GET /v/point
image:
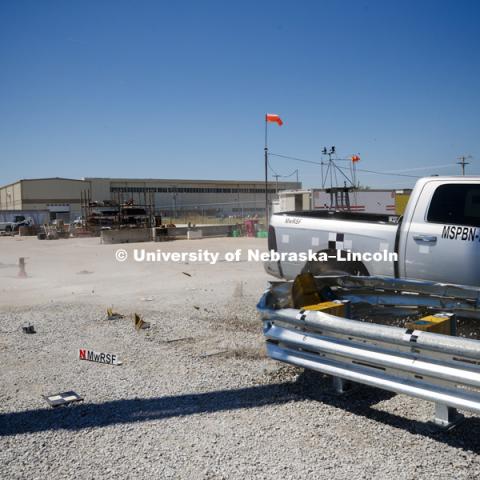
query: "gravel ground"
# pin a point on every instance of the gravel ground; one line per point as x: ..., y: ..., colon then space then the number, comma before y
x: 195, y: 396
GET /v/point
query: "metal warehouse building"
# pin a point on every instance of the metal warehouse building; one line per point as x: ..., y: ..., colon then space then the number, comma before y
x: 59, y: 196
x: 62, y: 196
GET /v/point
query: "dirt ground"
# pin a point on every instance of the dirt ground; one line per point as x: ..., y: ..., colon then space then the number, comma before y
x: 82, y: 270
x: 195, y: 396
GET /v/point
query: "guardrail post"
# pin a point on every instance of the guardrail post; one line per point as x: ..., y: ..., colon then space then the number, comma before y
x: 446, y: 417
x: 341, y: 386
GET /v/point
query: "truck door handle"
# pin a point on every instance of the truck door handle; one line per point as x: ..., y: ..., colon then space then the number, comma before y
x: 425, y: 238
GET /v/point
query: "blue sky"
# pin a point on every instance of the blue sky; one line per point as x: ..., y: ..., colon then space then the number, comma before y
x: 179, y: 89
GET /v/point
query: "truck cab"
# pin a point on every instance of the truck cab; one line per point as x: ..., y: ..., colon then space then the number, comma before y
x: 440, y: 236
x: 437, y: 239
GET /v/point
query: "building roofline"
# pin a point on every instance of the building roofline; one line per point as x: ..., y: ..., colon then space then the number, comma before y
x: 47, y: 178
x: 52, y: 178
x: 10, y: 184
x: 178, y: 180
x: 152, y: 180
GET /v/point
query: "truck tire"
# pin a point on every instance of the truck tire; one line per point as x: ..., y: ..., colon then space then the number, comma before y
x: 334, y: 267
x: 8, y: 228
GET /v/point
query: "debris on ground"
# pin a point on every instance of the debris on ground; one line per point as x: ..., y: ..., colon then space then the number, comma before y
x: 139, y: 323
x: 111, y: 315
x: 29, y: 329
x: 98, y: 357
x: 62, y: 398
x: 181, y: 339
x: 212, y: 354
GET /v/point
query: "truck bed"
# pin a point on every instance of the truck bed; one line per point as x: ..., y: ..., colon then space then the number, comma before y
x: 340, y: 215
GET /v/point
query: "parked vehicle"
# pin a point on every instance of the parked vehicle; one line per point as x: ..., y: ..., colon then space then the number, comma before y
x: 437, y: 239
x: 13, y: 226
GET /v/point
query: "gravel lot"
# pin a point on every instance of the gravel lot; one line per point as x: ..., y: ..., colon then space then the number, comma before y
x: 195, y: 396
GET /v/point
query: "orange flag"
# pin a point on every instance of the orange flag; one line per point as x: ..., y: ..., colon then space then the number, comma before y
x: 355, y: 158
x: 272, y: 117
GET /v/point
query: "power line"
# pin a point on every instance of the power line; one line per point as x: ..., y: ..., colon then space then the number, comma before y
x: 445, y: 165
x: 295, y: 158
x: 384, y: 173
x: 295, y: 172
x: 343, y: 168
x: 276, y: 174
x: 271, y: 168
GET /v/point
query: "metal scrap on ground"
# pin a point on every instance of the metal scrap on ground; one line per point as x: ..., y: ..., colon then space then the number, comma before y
x: 62, y: 398
x: 111, y: 315
x: 140, y: 324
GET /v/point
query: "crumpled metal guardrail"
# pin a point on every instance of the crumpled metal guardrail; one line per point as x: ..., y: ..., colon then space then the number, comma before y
x: 378, y: 290
x: 438, y: 368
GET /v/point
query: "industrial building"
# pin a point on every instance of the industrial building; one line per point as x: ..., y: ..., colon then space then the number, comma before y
x: 59, y: 196
x: 62, y: 197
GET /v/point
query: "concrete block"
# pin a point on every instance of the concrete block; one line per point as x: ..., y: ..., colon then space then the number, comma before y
x: 194, y: 234
x: 126, y: 235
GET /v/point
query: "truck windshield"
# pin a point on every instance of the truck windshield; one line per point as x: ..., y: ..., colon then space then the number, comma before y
x: 456, y: 204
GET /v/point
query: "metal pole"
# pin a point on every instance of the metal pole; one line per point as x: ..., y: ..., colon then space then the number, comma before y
x: 462, y: 162
x: 331, y: 170
x: 276, y: 182
x: 267, y: 219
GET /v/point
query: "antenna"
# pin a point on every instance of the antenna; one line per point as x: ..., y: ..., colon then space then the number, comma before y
x: 332, y: 168
x: 339, y: 195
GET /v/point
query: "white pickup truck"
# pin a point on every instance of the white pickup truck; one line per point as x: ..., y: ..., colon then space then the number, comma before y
x: 437, y: 239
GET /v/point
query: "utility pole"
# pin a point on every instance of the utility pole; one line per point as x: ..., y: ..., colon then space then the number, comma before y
x: 462, y: 162
x: 276, y: 180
